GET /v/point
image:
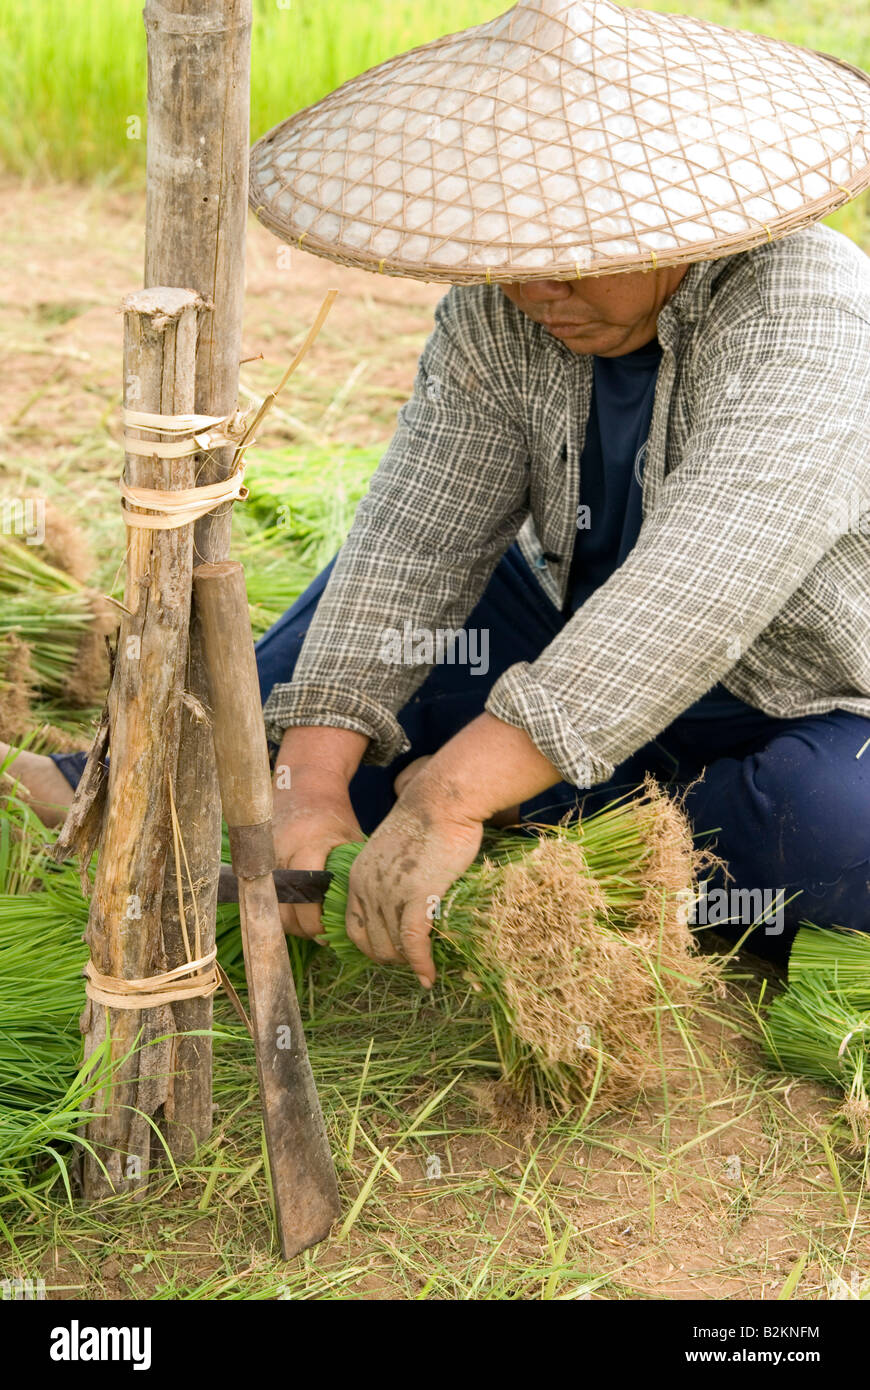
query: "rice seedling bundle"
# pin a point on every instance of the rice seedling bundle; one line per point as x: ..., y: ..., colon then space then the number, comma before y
x: 274, y: 580
x: 45, y: 1087
x: 42, y: 956
x: 43, y: 1090
x: 819, y: 1026
x: 308, y: 496
x: 576, y: 940
x: 835, y: 952
x: 297, y: 514
x: 51, y: 636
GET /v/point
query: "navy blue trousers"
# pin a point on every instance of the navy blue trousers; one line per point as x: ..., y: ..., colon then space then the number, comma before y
x: 785, y: 802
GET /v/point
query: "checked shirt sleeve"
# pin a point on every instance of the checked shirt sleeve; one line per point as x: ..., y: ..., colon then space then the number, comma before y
x: 761, y: 493
x: 445, y: 503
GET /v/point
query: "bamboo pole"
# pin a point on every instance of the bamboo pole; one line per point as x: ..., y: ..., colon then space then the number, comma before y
x: 196, y: 207
x: 144, y: 708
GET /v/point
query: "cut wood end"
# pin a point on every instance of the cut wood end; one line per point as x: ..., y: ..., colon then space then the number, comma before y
x: 161, y: 301
x: 216, y: 570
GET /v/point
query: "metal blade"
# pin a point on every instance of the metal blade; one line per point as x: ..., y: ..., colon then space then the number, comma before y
x: 291, y: 885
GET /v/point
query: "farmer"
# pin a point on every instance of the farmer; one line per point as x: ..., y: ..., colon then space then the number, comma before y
x: 623, y: 526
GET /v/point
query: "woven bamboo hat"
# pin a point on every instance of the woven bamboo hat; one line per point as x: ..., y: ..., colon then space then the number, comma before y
x: 567, y: 138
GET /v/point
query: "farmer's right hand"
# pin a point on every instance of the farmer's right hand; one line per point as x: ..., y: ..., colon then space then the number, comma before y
x: 312, y: 812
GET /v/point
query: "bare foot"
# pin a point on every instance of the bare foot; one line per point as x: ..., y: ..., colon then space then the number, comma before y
x: 41, y: 783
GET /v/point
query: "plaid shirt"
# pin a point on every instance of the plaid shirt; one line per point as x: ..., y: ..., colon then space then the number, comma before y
x: 753, y: 561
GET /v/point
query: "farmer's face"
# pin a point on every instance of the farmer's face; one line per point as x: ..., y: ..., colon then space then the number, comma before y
x: 607, y: 315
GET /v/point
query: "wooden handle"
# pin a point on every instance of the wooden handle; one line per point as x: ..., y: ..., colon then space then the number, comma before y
x: 300, y: 1162
x: 237, y: 715
x: 302, y: 1172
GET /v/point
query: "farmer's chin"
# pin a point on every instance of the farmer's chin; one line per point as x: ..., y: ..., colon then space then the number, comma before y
x: 592, y: 340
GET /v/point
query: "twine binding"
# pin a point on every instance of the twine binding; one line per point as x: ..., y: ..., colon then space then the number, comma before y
x: 167, y: 509
x: 166, y: 988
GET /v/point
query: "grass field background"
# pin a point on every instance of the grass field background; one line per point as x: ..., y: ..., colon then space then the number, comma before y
x: 73, y: 74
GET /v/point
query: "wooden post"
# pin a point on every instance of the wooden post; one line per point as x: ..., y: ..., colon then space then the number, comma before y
x: 196, y: 209
x: 300, y: 1163
x: 124, y: 924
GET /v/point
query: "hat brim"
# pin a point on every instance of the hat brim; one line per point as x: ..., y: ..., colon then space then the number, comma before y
x: 405, y: 171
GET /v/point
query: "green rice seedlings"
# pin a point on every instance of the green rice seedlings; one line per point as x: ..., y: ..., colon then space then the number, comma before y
x: 51, y: 637
x: 814, y: 1030
x: 837, y: 952
x: 819, y: 1026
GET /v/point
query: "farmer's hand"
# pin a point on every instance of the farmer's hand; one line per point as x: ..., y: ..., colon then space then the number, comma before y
x: 311, y: 811
x: 397, y: 882
x: 510, y: 816
x: 432, y: 835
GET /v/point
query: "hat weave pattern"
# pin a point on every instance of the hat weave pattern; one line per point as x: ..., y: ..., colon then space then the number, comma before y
x: 567, y: 138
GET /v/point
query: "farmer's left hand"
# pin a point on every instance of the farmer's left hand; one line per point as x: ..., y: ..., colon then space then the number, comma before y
x: 432, y: 835
x: 397, y: 882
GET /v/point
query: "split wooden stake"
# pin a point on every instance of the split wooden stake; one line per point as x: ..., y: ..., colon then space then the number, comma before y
x: 144, y: 711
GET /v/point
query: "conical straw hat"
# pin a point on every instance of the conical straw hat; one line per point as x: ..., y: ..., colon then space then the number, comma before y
x: 567, y: 138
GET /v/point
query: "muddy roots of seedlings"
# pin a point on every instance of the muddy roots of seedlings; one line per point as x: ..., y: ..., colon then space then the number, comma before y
x: 577, y: 940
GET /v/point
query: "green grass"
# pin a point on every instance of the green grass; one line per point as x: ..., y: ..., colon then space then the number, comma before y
x: 44, y: 1088
x: 441, y: 1199
x: 298, y: 512
x: 43, y: 1083
x: 72, y: 76
x: 611, y: 1209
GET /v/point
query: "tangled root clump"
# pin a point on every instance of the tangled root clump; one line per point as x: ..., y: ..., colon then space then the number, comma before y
x: 18, y: 680
x: 88, y: 679
x: 855, y: 1110
x: 64, y: 545
x: 673, y: 863
x: 591, y: 991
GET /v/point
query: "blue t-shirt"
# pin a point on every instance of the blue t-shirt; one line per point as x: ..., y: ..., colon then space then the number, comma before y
x: 610, y: 510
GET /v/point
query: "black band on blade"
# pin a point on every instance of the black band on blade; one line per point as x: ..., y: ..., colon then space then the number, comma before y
x: 292, y: 885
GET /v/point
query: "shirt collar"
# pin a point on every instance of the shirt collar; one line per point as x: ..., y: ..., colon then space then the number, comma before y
x: 692, y: 300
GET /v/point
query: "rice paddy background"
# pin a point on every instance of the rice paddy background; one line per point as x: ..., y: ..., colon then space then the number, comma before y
x: 72, y: 76
x: 732, y: 1183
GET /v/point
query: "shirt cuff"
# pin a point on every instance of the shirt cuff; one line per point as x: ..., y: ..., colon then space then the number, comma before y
x: 518, y: 698
x: 335, y: 707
